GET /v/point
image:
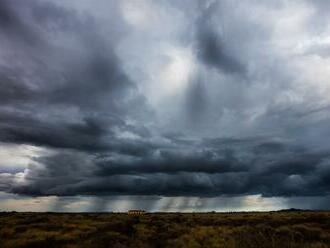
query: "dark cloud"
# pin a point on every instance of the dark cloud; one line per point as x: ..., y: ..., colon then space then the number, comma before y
x: 211, y: 47
x: 197, y: 103
x: 13, y: 25
x: 70, y: 83
x: 171, y: 162
x: 28, y: 130
x: 271, y: 147
x: 38, y: 101
x: 206, y: 170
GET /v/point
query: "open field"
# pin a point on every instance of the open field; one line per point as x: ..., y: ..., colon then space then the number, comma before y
x: 271, y: 229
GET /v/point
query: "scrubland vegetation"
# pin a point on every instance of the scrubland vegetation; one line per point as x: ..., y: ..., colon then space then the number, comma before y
x: 294, y: 229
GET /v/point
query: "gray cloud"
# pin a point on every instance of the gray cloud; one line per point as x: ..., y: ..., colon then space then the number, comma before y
x: 246, y: 119
x: 225, y: 167
x: 211, y: 47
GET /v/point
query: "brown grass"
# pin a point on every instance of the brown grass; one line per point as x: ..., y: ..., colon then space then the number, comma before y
x: 274, y: 229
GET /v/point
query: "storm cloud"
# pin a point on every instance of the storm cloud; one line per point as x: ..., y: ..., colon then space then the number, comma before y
x: 165, y: 99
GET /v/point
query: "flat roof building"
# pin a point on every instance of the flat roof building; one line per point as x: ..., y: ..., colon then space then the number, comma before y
x: 136, y: 212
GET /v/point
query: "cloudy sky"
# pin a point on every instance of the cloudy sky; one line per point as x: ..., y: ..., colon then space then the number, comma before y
x: 164, y: 105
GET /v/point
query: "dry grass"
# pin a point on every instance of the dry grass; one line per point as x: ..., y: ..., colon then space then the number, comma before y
x: 243, y: 230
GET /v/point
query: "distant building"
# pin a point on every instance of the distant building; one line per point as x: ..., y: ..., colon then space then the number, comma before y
x: 136, y: 212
